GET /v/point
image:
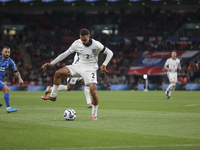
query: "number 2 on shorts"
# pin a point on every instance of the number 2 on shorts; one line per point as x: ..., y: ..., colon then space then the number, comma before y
x: 93, y: 75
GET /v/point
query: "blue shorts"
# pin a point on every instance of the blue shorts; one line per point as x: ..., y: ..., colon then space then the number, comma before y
x: 1, y: 85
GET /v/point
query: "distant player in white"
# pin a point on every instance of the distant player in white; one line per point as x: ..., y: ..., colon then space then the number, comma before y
x: 70, y: 84
x: 87, y: 50
x: 172, y: 64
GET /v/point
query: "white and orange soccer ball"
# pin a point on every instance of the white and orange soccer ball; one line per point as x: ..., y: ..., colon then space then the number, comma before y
x: 69, y: 115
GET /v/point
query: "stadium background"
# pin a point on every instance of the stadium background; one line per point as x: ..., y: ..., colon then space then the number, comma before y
x: 37, y: 31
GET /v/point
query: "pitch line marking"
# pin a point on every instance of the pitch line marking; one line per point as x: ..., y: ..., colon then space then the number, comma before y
x: 119, y: 147
x: 193, y: 105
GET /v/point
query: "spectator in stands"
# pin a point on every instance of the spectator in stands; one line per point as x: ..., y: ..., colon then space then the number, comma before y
x: 44, y: 33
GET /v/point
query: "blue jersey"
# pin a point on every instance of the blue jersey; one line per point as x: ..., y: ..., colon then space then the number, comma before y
x: 4, y: 65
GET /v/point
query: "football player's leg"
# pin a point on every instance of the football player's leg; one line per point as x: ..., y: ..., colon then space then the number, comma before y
x: 95, y: 100
x: 69, y: 86
x: 90, y: 78
x: 6, y: 91
x: 70, y: 83
x: 57, y: 80
x: 88, y: 98
x: 48, y: 90
x: 62, y: 87
x: 87, y: 94
x: 173, y: 83
x: 171, y: 80
x: 169, y: 88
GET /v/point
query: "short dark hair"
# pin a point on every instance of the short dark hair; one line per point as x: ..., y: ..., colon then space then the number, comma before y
x: 173, y: 50
x: 84, y: 32
x: 7, y: 47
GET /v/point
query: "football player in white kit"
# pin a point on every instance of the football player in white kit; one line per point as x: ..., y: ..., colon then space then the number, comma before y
x: 87, y: 50
x: 173, y: 63
x: 70, y: 84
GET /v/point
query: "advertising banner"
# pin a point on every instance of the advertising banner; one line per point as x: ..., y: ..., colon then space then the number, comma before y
x: 152, y: 63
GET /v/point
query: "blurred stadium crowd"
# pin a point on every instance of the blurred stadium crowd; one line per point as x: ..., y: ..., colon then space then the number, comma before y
x: 47, y: 35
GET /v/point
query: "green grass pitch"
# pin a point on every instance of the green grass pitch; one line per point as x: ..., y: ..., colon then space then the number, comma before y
x: 126, y: 120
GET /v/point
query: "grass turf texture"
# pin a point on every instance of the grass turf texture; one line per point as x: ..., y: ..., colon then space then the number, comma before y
x: 126, y: 120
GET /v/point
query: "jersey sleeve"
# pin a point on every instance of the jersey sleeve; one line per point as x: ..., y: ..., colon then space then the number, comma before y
x: 73, y: 48
x: 12, y: 64
x: 100, y: 46
x: 109, y: 55
x: 167, y: 62
x: 62, y: 56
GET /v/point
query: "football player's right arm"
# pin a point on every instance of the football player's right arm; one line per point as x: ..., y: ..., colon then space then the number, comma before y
x: 57, y: 59
x: 61, y: 56
x: 168, y: 69
x: 165, y: 66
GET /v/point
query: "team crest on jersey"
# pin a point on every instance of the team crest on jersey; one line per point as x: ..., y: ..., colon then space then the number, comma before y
x: 94, y: 50
x: 7, y: 64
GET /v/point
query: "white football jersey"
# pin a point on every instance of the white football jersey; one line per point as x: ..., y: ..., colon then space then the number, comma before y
x: 75, y: 59
x: 87, y: 55
x: 173, y: 64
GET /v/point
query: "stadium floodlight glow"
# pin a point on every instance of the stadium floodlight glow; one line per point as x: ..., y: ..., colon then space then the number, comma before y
x: 145, y: 76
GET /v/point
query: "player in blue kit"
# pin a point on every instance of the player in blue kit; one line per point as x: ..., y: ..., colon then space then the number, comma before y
x: 5, y: 63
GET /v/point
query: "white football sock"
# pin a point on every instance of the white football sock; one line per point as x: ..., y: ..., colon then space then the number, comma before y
x: 87, y: 94
x: 62, y: 88
x: 94, y: 110
x: 172, y: 90
x: 170, y: 86
x: 54, y: 91
x: 51, y: 88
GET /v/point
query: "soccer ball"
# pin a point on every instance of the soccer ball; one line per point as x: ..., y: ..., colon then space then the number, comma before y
x: 69, y: 115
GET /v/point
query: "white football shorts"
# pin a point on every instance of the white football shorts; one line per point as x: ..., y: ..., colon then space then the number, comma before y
x: 73, y: 80
x: 89, y: 75
x: 172, y: 76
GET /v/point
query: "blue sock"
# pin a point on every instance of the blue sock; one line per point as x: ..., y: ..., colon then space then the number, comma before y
x: 7, y: 99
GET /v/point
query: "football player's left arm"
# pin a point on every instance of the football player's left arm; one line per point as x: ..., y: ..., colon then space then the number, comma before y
x: 18, y: 76
x: 109, y: 55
